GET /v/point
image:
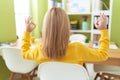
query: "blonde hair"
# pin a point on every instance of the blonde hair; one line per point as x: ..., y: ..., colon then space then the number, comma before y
x: 55, y: 34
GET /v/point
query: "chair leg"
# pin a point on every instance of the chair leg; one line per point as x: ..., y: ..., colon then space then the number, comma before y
x: 97, y: 75
x: 28, y: 76
x: 33, y: 73
x: 111, y: 76
x: 107, y: 76
x: 103, y: 77
x: 25, y: 77
x: 12, y: 76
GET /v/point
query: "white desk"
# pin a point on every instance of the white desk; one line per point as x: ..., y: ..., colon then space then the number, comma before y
x: 18, y: 44
x: 113, y: 56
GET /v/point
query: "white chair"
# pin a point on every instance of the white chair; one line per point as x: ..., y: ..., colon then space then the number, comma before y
x: 62, y: 71
x: 107, y: 72
x: 17, y: 65
x: 78, y: 38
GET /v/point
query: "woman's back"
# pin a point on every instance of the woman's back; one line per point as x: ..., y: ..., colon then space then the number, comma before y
x: 55, y: 44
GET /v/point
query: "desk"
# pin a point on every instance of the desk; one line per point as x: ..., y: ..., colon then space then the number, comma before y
x: 17, y: 44
x: 13, y: 44
x: 113, y: 58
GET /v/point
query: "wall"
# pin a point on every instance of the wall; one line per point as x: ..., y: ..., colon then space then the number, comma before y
x: 40, y: 7
x: 7, y: 25
x: 7, y: 31
x: 7, y: 21
x: 115, y: 27
x: 38, y: 10
x: 4, y: 72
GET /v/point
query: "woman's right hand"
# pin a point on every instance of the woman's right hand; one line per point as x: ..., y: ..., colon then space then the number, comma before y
x: 101, y: 23
x: 30, y: 26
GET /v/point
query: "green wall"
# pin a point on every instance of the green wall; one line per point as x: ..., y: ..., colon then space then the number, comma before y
x: 38, y: 10
x: 7, y: 21
x: 4, y: 72
x: 7, y: 31
x: 115, y: 27
x: 7, y: 25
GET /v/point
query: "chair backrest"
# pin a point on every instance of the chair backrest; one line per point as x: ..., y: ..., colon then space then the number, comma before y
x: 78, y: 37
x: 62, y: 71
x: 15, y: 62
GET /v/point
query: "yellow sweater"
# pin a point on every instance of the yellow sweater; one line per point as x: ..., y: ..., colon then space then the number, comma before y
x: 75, y: 53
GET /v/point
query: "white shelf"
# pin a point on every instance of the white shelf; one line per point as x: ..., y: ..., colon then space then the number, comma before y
x: 93, y: 10
x: 88, y: 13
x: 82, y: 31
x: 107, y: 12
x: 95, y: 31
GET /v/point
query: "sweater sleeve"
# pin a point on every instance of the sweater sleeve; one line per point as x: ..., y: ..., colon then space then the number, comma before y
x: 100, y: 54
x: 26, y: 51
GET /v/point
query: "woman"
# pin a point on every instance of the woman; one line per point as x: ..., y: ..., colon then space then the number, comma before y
x: 55, y: 44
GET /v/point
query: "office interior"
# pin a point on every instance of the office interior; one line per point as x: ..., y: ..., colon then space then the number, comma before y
x: 14, y: 12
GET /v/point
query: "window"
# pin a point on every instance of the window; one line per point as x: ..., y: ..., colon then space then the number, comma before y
x: 22, y: 11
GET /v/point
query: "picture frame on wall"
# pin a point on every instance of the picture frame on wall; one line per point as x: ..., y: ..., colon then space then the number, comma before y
x: 77, y: 6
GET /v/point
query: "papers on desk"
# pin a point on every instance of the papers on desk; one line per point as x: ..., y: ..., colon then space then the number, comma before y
x: 112, y: 46
x: 6, y: 45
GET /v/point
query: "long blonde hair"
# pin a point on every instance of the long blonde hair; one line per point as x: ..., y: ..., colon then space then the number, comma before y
x: 55, y: 34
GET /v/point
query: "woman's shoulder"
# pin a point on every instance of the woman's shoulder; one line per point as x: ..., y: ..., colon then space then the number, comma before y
x: 75, y: 44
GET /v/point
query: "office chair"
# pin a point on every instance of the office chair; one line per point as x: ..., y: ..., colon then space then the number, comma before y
x: 78, y: 38
x: 61, y: 71
x: 107, y: 72
x: 17, y: 65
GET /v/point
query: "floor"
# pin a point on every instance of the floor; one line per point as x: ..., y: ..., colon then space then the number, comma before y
x: 3, y: 69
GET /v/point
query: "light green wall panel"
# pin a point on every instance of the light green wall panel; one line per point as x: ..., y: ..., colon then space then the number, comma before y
x: 115, y: 27
x: 7, y: 21
x: 38, y: 10
x: 7, y: 31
